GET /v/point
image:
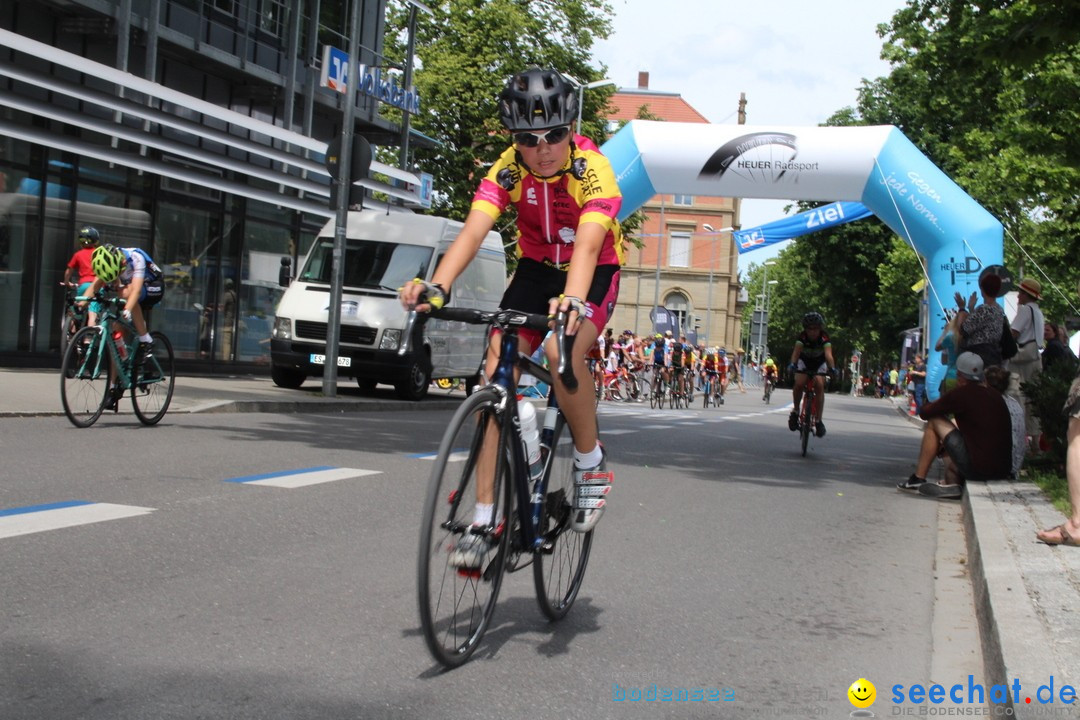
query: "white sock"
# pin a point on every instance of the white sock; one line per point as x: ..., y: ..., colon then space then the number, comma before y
x: 146, y: 338
x: 589, y: 459
x: 482, y: 514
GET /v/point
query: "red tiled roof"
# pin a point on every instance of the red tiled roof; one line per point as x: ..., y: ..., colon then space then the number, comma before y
x: 667, y: 106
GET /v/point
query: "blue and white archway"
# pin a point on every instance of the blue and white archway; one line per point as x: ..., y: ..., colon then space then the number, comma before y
x: 877, y: 166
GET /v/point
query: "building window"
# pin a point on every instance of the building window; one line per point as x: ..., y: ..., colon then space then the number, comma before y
x: 684, y: 200
x: 679, y: 250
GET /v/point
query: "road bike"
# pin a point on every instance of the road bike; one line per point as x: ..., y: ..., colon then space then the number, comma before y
x: 767, y: 397
x: 99, y: 367
x: 807, y: 416
x: 531, y: 514
x: 657, y: 389
x: 711, y: 389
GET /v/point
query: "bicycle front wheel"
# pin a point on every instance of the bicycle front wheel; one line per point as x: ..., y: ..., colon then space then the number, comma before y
x: 152, y: 390
x: 806, y: 426
x: 456, y: 604
x: 559, y: 567
x: 84, y: 377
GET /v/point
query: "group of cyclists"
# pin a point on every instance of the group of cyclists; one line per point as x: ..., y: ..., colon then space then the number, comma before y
x: 676, y: 363
x: 130, y: 273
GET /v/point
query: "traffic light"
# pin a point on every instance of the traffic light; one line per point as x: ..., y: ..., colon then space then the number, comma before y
x: 360, y: 163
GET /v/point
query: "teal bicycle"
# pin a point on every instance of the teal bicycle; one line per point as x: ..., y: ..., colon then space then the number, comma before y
x: 100, y: 366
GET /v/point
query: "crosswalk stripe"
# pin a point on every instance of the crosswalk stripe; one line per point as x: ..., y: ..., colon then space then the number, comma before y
x: 302, y: 478
x: 455, y: 456
x: 39, y: 518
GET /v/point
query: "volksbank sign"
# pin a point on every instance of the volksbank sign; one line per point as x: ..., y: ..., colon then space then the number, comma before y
x: 335, y: 65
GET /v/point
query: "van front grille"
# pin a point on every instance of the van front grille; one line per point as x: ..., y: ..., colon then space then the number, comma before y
x: 352, y: 334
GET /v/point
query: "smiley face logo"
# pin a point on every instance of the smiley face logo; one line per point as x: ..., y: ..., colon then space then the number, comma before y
x: 862, y: 693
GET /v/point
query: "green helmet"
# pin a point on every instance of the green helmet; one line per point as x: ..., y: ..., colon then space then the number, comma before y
x: 106, y: 262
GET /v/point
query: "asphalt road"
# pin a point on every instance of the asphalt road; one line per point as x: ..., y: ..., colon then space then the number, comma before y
x: 726, y: 562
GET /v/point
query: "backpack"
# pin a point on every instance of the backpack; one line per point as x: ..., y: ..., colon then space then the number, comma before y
x: 1009, y: 348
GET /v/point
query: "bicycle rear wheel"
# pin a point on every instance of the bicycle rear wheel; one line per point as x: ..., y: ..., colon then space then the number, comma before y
x: 456, y: 604
x: 152, y: 391
x: 84, y: 377
x: 559, y: 567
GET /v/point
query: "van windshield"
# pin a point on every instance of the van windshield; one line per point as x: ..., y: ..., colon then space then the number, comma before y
x: 369, y: 263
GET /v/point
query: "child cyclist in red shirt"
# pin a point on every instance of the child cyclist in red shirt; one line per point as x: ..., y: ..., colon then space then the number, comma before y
x: 570, y: 250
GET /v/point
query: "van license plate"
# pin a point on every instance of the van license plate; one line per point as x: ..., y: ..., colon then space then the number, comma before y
x: 321, y: 360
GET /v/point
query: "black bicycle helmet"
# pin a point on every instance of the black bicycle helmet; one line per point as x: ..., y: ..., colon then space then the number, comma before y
x: 89, y: 236
x: 537, y: 100
x: 813, y: 318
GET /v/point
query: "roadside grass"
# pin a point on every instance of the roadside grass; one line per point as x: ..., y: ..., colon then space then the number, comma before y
x: 1049, y: 475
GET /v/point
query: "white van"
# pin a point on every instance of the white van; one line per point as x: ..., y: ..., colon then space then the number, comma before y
x: 384, y: 251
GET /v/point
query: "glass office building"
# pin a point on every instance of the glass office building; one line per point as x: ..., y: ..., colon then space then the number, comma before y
x: 194, y: 129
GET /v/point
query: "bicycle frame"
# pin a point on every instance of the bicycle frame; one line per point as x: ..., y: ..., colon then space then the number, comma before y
x: 530, y: 501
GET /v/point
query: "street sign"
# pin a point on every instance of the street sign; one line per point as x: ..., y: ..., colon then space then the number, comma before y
x: 335, y: 64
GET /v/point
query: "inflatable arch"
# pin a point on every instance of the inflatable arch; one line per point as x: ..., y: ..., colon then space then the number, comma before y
x: 877, y: 166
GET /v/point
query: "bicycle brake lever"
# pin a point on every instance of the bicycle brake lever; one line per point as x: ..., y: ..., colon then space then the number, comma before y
x: 406, y: 333
x: 565, y: 342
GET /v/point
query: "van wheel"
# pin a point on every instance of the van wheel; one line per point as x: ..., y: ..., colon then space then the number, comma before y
x: 286, y: 377
x: 416, y: 384
x: 366, y: 385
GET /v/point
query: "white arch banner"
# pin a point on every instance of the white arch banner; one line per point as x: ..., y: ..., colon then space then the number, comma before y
x: 877, y: 166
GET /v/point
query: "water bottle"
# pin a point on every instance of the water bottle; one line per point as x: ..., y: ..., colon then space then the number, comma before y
x: 529, y: 433
x: 121, y: 346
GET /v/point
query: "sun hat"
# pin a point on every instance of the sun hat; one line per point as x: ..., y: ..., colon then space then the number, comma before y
x: 1032, y: 287
x: 970, y: 366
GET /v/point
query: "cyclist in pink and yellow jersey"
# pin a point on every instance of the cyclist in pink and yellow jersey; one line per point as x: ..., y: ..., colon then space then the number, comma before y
x: 569, y: 248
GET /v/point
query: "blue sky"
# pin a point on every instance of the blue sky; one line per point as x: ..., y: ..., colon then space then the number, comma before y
x: 797, y: 62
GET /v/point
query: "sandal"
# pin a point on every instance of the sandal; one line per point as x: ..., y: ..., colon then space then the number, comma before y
x: 1058, y: 536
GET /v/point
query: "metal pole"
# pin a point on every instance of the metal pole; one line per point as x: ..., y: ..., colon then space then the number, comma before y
x: 659, y: 247
x: 708, y: 312
x: 580, y: 100
x: 405, y: 117
x: 765, y: 318
x: 344, y: 183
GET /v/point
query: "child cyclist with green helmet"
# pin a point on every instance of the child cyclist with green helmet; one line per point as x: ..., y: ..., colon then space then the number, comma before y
x: 570, y: 250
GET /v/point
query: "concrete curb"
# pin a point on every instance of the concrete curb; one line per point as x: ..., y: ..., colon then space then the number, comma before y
x: 1025, y: 592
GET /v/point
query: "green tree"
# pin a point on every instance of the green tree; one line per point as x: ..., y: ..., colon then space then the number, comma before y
x: 466, y: 52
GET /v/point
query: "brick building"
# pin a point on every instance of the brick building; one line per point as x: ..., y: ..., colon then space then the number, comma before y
x: 678, y: 247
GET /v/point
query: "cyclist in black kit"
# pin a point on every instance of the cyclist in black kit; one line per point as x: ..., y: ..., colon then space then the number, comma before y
x: 812, y: 356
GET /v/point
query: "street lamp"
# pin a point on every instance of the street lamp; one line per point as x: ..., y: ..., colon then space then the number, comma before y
x: 581, y: 96
x: 712, y: 262
x: 766, y: 282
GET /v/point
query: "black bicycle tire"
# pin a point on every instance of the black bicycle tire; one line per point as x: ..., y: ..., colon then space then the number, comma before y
x: 550, y: 610
x: 484, y: 400
x: 161, y: 344
x: 71, y: 365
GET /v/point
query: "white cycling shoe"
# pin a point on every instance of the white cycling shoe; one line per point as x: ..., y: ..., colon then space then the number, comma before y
x: 591, y: 488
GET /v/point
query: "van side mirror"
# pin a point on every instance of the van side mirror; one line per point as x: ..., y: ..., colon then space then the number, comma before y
x: 285, y: 272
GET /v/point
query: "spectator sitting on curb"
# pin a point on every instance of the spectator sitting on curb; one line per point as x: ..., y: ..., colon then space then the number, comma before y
x: 1068, y: 532
x: 977, y: 444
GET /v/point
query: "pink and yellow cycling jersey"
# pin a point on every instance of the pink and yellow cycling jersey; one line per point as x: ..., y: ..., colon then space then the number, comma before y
x: 550, y: 211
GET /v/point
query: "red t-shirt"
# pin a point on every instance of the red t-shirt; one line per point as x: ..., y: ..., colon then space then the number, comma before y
x: 80, y: 261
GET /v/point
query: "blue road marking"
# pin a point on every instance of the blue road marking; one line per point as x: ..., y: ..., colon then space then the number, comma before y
x: 43, y: 508
x: 282, y: 473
